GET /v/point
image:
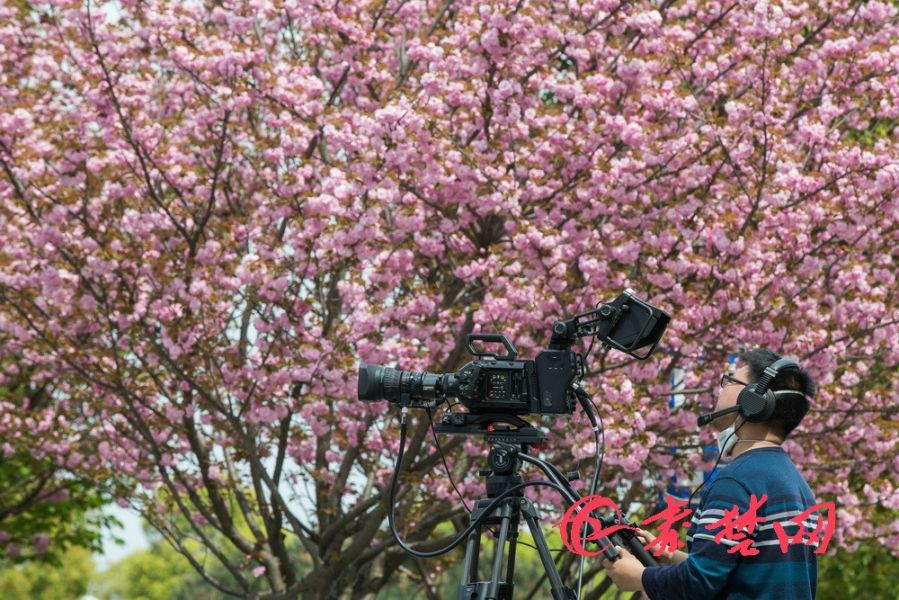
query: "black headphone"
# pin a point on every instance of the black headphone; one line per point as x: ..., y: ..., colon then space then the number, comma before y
x: 756, y: 402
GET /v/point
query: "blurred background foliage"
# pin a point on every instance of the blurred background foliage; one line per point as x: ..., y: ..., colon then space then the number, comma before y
x: 45, y: 508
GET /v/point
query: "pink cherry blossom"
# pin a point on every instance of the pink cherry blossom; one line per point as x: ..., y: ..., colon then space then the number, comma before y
x: 208, y: 218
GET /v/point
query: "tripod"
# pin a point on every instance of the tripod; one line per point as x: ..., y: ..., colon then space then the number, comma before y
x: 507, y: 515
x: 507, y: 453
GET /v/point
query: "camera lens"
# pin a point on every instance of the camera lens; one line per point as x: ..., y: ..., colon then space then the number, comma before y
x: 383, y: 383
x: 371, y: 382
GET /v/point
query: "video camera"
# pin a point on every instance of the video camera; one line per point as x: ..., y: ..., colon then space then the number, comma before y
x: 502, y: 384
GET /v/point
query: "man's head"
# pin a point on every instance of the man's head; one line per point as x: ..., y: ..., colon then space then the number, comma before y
x: 789, y: 409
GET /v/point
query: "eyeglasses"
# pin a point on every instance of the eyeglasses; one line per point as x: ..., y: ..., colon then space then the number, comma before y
x: 727, y: 379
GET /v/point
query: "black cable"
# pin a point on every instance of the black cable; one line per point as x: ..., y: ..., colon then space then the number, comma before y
x: 445, y: 465
x: 589, y: 350
x: 714, y: 468
x: 602, y: 451
x: 589, y: 408
x: 391, y: 493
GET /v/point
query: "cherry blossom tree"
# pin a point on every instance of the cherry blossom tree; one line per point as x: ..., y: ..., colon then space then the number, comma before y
x: 213, y: 211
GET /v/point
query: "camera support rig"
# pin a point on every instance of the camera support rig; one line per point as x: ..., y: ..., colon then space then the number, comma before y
x: 508, y: 451
x: 636, y: 334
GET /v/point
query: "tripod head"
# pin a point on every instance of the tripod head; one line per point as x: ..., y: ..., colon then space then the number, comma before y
x: 507, y: 435
x: 510, y: 438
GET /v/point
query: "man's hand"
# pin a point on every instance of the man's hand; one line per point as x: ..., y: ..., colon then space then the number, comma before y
x: 626, y: 572
x: 665, y: 557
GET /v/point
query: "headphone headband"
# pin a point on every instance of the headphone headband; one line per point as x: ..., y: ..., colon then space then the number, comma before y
x: 772, y: 370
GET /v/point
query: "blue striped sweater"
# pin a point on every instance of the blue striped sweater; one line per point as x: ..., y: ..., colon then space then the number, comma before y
x: 711, y: 572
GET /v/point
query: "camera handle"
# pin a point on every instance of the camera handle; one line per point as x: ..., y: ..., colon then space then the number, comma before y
x: 511, y: 352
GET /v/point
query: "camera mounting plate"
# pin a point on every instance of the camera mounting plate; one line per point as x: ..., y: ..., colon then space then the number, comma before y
x: 494, y: 427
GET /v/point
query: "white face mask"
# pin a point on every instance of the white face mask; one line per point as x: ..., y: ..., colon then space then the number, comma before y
x: 727, y: 439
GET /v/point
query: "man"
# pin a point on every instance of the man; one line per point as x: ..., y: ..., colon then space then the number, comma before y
x: 759, y: 467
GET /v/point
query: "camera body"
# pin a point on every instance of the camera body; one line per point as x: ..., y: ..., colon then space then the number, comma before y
x: 509, y: 386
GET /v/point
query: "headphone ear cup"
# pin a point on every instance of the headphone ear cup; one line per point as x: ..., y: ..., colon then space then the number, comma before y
x: 756, y: 407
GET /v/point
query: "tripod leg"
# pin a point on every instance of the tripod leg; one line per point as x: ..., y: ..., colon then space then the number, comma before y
x: 470, y: 562
x: 513, y: 539
x: 559, y: 591
x: 506, y: 514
